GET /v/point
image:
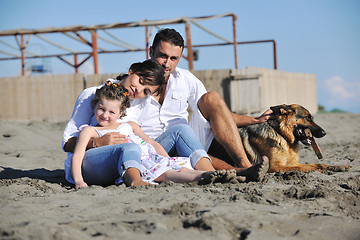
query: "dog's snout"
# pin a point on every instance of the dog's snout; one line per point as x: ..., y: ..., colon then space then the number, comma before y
x: 319, y: 133
x: 323, y: 133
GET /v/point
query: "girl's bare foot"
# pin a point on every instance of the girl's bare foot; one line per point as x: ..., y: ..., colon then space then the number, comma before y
x: 137, y: 183
x: 132, y: 177
x: 257, y: 172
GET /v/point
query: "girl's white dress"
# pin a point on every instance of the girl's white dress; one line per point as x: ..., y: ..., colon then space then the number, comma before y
x: 152, y: 164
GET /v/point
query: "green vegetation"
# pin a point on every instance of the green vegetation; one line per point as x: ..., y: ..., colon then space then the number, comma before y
x: 335, y: 110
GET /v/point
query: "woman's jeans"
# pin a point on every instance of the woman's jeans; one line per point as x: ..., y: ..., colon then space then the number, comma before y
x: 181, y: 140
x: 104, y: 165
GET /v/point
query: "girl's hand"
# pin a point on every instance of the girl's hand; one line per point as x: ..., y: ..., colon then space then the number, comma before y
x: 80, y: 185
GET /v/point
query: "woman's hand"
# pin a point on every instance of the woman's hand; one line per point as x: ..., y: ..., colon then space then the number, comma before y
x: 111, y: 138
x: 80, y: 184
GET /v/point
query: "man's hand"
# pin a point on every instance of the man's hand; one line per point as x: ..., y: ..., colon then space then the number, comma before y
x: 111, y: 138
x: 265, y: 116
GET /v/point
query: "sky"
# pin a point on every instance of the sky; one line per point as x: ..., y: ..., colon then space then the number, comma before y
x: 321, y: 37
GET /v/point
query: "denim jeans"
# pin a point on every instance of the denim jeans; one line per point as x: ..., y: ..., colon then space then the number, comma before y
x: 104, y: 165
x: 181, y: 140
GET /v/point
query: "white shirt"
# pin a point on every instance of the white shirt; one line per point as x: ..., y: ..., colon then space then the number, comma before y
x: 183, y: 90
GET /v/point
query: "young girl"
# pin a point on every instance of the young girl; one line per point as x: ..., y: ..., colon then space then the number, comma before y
x: 110, y: 103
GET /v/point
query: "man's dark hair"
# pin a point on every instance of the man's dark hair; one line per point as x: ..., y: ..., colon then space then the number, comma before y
x: 168, y: 35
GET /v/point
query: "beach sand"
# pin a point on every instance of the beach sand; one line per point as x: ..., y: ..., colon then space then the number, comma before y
x: 37, y: 203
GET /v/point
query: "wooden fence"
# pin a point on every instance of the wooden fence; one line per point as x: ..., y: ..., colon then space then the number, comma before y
x: 252, y: 90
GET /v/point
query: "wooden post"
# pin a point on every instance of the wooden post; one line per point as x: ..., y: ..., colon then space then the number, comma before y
x: 147, y: 39
x: 189, y: 46
x: 22, y: 47
x: 76, y: 63
x: 95, y: 50
x: 275, y: 60
x: 235, y: 42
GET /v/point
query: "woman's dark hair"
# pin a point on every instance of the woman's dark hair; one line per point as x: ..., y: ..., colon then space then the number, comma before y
x: 150, y: 71
x: 170, y: 36
x: 112, y: 91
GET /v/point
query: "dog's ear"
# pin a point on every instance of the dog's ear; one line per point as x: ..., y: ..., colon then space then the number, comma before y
x: 279, y: 110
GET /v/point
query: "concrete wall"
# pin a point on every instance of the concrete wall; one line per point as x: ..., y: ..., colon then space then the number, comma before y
x: 272, y: 87
x: 43, y: 98
x: 247, y: 91
x: 39, y: 98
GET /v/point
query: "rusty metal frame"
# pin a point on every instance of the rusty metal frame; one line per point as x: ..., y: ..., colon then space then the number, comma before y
x: 145, y: 23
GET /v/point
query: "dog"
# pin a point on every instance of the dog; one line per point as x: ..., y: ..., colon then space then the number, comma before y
x: 279, y: 139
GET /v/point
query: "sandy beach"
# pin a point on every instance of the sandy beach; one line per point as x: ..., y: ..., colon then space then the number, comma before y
x: 37, y: 203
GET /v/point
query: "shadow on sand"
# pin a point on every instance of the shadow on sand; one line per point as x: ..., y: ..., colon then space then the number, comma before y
x: 50, y: 176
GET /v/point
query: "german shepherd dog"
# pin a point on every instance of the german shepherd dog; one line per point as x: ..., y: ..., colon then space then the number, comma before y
x: 279, y: 139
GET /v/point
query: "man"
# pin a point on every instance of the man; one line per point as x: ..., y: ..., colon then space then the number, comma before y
x: 211, y: 119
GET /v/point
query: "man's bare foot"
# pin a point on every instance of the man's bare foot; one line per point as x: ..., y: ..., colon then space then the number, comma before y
x: 257, y: 172
x: 222, y: 176
x: 239, y: 179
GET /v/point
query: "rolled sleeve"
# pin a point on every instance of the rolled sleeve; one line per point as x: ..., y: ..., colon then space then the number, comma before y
x: 82, y: 114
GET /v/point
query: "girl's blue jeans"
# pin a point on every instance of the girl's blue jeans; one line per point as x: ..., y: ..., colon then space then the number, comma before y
x: 105, y: 165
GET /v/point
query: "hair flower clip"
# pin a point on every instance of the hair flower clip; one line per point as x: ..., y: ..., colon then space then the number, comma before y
x: 109, y: 83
